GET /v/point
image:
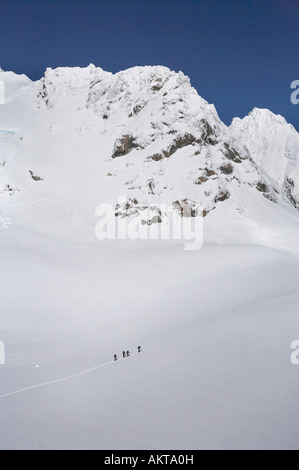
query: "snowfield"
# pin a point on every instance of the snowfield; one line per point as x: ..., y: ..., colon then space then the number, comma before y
x: 215, y: 325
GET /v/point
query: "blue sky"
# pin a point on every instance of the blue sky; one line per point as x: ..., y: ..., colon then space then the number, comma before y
x: 238, y: 53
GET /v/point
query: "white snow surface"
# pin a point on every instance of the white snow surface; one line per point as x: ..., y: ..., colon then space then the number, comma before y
x: 215, y: 325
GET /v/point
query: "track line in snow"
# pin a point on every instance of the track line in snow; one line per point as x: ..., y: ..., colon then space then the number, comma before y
x: 57, y: 381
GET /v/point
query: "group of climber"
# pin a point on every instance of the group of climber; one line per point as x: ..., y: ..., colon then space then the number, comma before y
x: 126, y: 354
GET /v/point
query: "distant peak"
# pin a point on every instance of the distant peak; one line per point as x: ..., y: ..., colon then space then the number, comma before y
x: 261, y: 112
x: 260, y: 116
x: 265, y: 113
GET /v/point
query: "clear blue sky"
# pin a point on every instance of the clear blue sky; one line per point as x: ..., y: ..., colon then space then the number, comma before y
x: 238, y: 53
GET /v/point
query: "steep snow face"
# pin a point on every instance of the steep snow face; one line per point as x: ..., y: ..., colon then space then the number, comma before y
x: 274, y: 146
x: 81, y: 137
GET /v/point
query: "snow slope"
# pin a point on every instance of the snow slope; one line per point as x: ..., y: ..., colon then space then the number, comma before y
x: 215, y: 325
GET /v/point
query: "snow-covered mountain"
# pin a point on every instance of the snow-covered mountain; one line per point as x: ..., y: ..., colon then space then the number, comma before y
x: 273, y: 145
x: 215, y: 324
x: 81, y: 137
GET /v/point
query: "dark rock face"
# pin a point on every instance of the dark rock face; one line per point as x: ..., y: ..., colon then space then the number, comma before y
x: 157, y: 157
x: 222, y: 196
x: 262, y: 187
x: 158, y: 86
x: 232, y: 154
x: 289, y: 187
x: 34, y: 177
x: 208, y: 173
x: 124, y: 146
x: 227, y: 169
x: 179, y: 143
x: 201, y: 179
x: 208, y: 135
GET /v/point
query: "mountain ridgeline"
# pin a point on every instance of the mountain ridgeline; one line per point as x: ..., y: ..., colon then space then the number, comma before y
x: 81, y: 137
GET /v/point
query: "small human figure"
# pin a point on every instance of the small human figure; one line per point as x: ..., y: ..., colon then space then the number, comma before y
x: 139, y: 349
x: 124, y: 354
x: 128, y: 353
x: 115, y: 357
